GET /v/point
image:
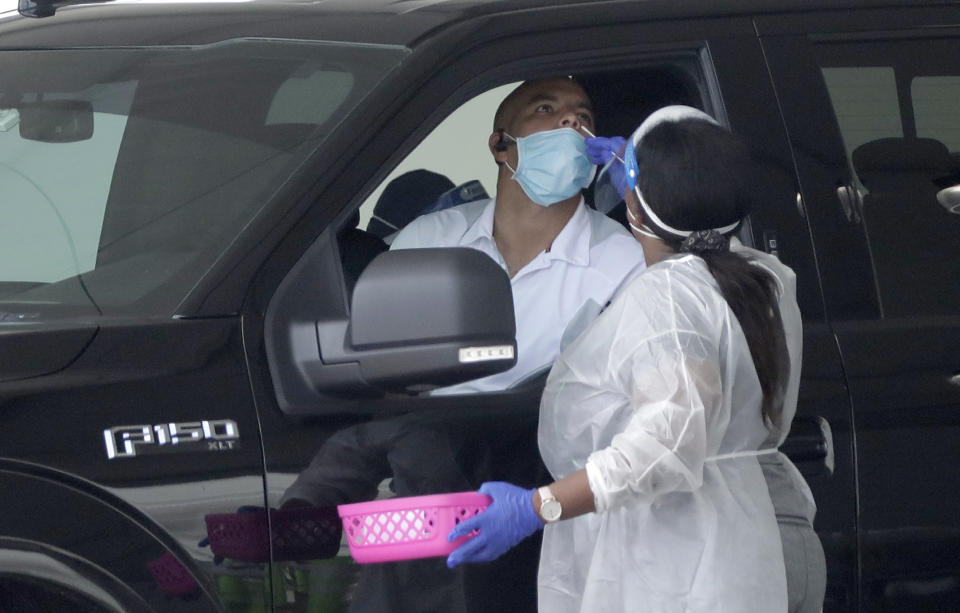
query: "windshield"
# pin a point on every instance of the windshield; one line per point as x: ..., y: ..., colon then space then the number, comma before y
x: 126, y: 172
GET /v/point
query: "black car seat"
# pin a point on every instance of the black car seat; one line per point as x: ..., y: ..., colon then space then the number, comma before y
x: 357, y: 249
x: 908, y: 230
x: 404, y: 198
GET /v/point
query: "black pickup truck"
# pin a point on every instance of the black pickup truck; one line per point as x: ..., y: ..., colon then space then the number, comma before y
x: 188, y: 311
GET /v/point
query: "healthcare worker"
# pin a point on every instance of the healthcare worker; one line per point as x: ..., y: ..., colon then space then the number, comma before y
x: 653, y: 420
x: 792, y: 499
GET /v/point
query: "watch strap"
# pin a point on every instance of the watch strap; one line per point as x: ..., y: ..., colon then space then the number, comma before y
x: 548, y: 500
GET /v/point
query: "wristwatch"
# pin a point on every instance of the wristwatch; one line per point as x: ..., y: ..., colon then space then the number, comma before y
x: 550, y: 509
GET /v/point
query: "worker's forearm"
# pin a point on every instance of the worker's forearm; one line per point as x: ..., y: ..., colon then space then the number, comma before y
x: 573, y: 493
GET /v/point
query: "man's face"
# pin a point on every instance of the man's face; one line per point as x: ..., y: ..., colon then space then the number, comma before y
x: 549, y: 105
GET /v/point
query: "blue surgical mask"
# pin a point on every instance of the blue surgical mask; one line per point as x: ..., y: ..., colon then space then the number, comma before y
x: 552, y: 165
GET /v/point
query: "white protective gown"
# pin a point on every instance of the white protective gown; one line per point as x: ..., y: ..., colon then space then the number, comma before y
x: 660, y: 401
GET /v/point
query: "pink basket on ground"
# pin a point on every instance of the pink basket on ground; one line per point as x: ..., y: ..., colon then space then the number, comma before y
x: 308, y: 533
x: 171, y: 577
x: 407, y: 528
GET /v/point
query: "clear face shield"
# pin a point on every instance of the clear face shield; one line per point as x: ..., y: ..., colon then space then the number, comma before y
x: 615, y: 178
x: 621, y: 171
x: 607, y: 192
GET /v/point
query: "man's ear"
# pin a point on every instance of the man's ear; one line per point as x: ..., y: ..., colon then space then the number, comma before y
x: 498, y: 147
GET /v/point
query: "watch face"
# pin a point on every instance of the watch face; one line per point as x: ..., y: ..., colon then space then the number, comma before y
x: 550, y: 510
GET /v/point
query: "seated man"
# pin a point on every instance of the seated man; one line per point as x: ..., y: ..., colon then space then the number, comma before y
x: 565, y: 262
x: 564, y: 259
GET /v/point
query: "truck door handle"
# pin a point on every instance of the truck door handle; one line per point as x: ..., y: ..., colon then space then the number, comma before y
x: 810, y: 440
x: 851, y: 202
x: 950, y: 198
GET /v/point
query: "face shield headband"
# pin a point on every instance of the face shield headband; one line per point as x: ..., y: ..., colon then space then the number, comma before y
x: 668, y: 113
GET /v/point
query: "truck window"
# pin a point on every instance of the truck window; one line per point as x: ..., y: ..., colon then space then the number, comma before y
x: 895, y: 103
x: 126, y: 175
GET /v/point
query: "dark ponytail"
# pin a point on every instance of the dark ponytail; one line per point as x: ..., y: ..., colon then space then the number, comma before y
x: 699, y: 176
x: 752, y: 295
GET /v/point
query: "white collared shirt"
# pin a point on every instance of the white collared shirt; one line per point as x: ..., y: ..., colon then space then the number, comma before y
x: 555, y: 295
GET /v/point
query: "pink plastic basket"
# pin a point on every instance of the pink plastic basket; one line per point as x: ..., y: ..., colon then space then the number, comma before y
x: 308, y: 533
x: 171, y: 577
x: 407, y: 528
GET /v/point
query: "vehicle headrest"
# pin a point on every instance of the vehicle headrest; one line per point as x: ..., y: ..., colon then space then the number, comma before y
x: 404, y: 198
x: 901, y: 164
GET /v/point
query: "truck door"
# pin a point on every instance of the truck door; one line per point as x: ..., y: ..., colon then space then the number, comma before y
x: 870, y: 100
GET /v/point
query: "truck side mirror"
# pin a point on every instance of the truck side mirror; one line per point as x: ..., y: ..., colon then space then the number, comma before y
x: 418, y: 319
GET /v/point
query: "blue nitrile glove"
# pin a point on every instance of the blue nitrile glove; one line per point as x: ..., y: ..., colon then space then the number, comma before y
x: 509, y: 519
x: 601, y: 150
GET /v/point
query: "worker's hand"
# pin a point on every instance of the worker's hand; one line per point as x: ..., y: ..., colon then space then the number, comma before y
x: 509, y: 519
x: 601, y: 150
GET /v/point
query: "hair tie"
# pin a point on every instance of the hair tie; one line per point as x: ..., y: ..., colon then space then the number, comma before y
x: 704, y: 241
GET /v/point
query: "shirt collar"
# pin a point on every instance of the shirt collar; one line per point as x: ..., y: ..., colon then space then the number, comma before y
x: 482, y: 228
x: 572, y: 244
